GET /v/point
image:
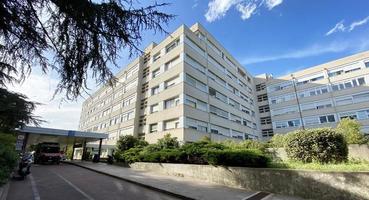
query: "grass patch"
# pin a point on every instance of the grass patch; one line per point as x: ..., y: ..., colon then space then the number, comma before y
x: 349, y: 166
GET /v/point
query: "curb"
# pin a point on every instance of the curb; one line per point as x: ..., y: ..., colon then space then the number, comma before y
x: 4, y: 191
x: 132, y: 181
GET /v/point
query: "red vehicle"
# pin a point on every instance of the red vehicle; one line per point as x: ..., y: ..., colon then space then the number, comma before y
x: 47, y: 152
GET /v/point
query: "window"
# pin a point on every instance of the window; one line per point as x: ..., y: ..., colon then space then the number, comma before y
x: 196, y: 83
x: 367, y: 64
x: 262, y: 97
x: 217, y: 79
x: 196, y: 65
x: 267, y: 132
x: 236, y: 119
x: 313, y: 92
x: 260, y: 87
x: 154, y: 108
x: 344, y: 70
x: 156, y: 56
x: 363, y: 97
x: 171, y: 124
x: 309, y: 79
x: 285, y: 124
x: 196, y: 124
x: 155, y: 73
x: 281, y: 99
x: 263, y: 109
x: 219, y: 130
x: 171, y: 82
x: 327, y: 119
x: 155, y: 90
x: 216, y: 64
x: 234, y: 103
x: 195, y: 103
x: 194, y: 46
x: 153, y: 128
x: 170, y: 103
x: 127, y: 116
x: 172, y: 45
x: 280, y: 86
x: 217, y: 95
x: 316, y: 106
x: 349, y: 84
x: 265, y: 120
x: 219, y: 112
x: 172, y: 63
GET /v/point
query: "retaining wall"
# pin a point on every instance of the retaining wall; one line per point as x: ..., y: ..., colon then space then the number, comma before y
x: 356, y: 151
x: 302, y: 183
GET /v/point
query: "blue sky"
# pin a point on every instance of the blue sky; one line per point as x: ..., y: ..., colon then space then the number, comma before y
x: 265, y: 36
x: 289, y: 36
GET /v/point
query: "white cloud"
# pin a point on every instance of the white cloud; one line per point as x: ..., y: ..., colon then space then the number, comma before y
x: 58, y: 114
x: 353, y: 46
x: 340, y: 27
x: 358, y: 23
x: 273, y: 3
x: 246, y: 10
x: 218, y: 8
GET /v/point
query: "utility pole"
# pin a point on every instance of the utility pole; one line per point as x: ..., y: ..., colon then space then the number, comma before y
x: 298, y: 101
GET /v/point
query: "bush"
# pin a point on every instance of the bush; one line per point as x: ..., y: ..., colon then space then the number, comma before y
x: 350, y: 129
x: 167, y: 142
x: 194, y: 152
x: 278, y: 141
x: 128, y: 141
x: 246, y: 144
x: 231, y: 157
x: 131, y: 155
x: 164, y: 156
x: 8, y: 156
x: 323, y: 145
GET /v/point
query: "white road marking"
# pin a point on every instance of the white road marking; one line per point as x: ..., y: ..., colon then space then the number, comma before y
x: 75, y: 187
x: 267, y: 197
x: 251, y: 195
x: 36, y: 195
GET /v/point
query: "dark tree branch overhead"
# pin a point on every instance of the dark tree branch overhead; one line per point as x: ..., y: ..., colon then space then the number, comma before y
x: 72, y: 37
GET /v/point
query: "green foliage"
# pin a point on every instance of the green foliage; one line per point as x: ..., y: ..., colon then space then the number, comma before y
x: 323, y: 145
x: 167, y: 142
x: 164, y: 156
x: 194, y: 152
x: 8, y: 156
x: 128, y: 141
x: 278, y: 141
x: 350, y: 129
x: 246, y: 144
x: 237, y: 157
x: 16, y: 111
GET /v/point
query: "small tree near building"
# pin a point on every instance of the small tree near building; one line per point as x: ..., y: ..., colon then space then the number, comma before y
x: 350, y: 129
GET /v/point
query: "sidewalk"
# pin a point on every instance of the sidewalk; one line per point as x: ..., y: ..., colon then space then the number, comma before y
x: 182, y: 187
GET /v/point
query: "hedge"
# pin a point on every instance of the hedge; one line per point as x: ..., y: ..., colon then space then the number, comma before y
x: 242, y: 158
x: 8, y: 156
x: 323, y: 145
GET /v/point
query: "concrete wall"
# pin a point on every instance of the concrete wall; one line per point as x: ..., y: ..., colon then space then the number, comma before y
x: 356, y: 151
x: 302, y: 183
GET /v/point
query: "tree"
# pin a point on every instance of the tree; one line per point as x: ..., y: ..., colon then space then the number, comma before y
x: 350, y: 129
x: 167, y: 142
x: 16, y: 111
x: 128, y: 141
x: 76, y: 38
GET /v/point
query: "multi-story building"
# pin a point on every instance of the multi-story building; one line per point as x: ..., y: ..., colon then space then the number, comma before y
x: 188, y: 85
x: 319, y: 96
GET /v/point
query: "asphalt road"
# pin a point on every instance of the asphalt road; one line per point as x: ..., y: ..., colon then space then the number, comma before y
x: 67, y: 182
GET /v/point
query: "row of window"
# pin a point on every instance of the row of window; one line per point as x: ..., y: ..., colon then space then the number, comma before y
x: 167, y: 125
x: 169, y: 103
x: 116, y: 120
x: 355, y: 82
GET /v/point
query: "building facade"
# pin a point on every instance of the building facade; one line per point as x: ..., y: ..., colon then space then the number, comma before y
x: 319, y: 96
x: 188, y: 86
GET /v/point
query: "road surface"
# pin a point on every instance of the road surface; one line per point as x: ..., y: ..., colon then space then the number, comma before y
x: 67, y: 182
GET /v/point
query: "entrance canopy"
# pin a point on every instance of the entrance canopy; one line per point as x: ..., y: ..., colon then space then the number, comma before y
x: 28, y: 136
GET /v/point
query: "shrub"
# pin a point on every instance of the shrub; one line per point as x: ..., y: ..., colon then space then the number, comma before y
x: 194, y: 152
x: 232, y: 157
x: 323, y: 145
x: 164, y: 156
x: 8, y: 156
x: 350, y: 129
x: 128, y: 141
x: 131, y: 155
x: 167, y: 142
x: 246, y: 144
x: 278, y: 141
